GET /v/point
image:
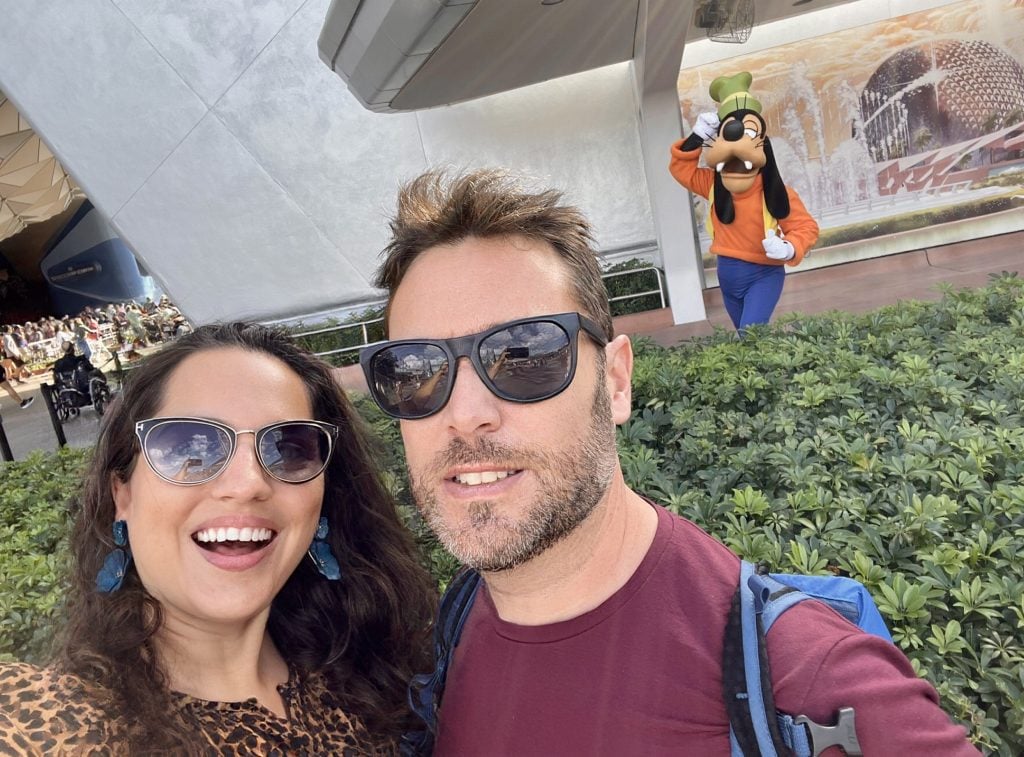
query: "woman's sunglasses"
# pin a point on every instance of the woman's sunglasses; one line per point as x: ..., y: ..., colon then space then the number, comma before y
x: 528, y: 360
x: 192, y: 451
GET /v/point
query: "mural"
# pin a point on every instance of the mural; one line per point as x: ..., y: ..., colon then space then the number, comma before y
x: 917, y: 121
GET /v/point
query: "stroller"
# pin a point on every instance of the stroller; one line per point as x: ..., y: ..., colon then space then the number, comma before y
x: 78, y: 388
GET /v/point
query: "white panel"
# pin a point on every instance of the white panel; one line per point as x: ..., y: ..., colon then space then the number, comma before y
x: 577, y: 133
x: 339, y: 162
x: 96, y: 91
x: 226, y: 241
x: 209, y: 43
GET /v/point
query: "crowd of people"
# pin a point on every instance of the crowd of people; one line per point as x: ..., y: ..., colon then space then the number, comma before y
x: 110, y: 329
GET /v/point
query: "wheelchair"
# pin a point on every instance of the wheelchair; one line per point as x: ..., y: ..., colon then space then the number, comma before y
x: 80, y: 388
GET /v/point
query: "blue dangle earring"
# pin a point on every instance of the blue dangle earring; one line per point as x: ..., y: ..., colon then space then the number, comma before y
x: 321, y: 555
x: 111, y: 575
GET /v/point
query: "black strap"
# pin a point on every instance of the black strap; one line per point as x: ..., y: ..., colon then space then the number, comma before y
x: 734, y: 686
x: 426, y: 690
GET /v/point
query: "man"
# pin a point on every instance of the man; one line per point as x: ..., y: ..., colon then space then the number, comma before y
x: 68, y: 364
x: 599, y: 628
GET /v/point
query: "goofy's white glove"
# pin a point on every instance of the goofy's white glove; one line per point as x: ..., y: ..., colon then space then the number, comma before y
x: 707, y: 125
x: 776, y: 247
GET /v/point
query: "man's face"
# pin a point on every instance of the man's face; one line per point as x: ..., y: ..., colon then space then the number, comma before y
x: 498, y: 481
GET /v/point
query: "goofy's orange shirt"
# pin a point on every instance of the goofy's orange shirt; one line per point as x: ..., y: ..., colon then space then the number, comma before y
x: 742, y: 238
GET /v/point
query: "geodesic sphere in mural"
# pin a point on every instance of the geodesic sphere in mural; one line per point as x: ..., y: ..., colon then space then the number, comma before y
x: 940, y: 93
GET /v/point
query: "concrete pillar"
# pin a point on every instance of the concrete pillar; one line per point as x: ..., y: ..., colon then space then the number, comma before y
x: 661, y: 35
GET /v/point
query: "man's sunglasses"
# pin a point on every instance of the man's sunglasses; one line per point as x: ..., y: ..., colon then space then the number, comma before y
x: 191, y: 451
x: 528, y: 360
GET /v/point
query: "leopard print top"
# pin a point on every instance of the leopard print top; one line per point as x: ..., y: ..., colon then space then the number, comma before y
x: 44, y: 712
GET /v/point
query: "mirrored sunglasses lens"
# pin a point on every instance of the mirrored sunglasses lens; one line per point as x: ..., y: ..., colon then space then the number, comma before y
x: 410, y: 380
x: 528, y: 361
x: 294, y: 452
x: 187, y: 451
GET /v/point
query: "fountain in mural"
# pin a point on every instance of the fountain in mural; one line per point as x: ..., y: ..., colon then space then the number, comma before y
x: 921, y: 99
x: 827, y: 179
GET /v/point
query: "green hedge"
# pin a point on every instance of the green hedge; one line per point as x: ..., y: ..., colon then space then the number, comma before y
x: 34, y: 524
x: 888, y: 446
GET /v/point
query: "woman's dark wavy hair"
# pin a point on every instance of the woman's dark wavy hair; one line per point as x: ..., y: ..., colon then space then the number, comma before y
x: 367, y: 633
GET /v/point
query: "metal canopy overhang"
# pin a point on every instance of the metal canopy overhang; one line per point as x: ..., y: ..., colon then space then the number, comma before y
x: 400, y: 55
x: 404, y: 55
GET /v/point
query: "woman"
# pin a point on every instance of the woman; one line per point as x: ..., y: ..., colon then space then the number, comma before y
x: 241, y: 581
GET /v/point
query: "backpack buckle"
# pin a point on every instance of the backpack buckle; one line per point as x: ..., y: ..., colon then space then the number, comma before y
x: 843, y: 734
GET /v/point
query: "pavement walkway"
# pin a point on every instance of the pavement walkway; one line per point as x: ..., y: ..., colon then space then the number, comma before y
x: 30, y: 429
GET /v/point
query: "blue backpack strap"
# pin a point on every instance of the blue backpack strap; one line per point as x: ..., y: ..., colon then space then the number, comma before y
x: 753, y: 595
x: 770, y: 596
x: 795, y: 736
x: 426, y: 689
x: 746, y: 682
x: 767, y: 732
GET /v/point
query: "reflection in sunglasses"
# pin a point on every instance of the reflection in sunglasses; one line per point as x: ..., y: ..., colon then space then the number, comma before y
x: 522, y: 361
x: 187, y: 471
x: 192, y: 451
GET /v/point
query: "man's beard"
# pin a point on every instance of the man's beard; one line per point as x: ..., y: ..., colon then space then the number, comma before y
x: 571, y: 483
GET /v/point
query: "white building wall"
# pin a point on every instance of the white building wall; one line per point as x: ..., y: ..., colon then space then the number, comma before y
x: 243, y: 174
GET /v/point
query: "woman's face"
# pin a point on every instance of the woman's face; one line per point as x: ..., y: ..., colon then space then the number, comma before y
x: 211, y: 583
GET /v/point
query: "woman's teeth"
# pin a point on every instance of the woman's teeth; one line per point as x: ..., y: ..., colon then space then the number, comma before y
x: 233, y: 534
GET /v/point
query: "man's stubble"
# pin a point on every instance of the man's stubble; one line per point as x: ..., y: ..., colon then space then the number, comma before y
x: 571, y: 484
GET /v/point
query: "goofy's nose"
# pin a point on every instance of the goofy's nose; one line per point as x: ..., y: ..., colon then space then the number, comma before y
x: 732, y: 131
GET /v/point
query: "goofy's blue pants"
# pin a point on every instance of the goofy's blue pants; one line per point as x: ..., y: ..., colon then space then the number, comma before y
x: 750, y: 290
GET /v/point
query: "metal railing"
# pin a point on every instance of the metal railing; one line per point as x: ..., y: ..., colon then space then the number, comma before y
x: 659, y: 290
x: 658, y: 277
x: 340, y: 327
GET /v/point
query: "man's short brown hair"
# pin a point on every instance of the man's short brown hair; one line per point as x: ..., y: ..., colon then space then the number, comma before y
x: 440, y: 209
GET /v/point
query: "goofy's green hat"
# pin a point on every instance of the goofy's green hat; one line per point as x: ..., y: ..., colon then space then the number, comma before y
x: 733, y: 93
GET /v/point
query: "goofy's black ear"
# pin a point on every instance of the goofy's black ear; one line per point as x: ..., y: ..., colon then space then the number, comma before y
x: 724, y: 208
x: 775, y: 196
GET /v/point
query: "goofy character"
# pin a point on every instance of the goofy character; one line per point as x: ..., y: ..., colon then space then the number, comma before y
x: 757, y: 224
